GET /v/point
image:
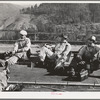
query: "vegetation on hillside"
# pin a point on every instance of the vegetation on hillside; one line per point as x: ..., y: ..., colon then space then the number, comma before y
x: 72, y: 19
x: 76, y: 20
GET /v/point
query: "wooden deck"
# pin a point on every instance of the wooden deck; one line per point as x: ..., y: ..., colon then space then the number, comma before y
x: 37, y: 77
x: 24, y: 74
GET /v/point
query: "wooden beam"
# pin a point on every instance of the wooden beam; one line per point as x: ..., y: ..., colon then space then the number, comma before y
x: 51, y: 83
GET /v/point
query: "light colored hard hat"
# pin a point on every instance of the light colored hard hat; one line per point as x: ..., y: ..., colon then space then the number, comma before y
x: 23, y: 32
x: 93, y: 38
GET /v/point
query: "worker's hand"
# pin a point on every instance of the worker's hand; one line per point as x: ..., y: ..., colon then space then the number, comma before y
x: 78, y: 58
x: 13, y: 52
x: 82, y: 62
x: 59, y: 56
x: 46, y: 45
x: 7, y: 52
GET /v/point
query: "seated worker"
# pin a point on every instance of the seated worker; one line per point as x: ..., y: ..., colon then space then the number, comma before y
x: 86, y: 55
x: 22, y: 46
x: 61, y: 50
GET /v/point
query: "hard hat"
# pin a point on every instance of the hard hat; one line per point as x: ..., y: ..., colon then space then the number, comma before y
x: 23, y: 32
x: 92, y: 38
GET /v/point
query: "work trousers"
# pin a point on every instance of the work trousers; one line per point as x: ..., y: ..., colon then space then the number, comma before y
x: 12, y: 60
x: 45, y: 52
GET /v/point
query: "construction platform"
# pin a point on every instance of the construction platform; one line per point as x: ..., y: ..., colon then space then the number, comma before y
x: 38, y: 79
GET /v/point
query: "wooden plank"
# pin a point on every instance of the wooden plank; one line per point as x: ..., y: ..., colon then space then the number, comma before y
x: 58, y: 83
x: 44, y: 41
x: 96, y: 75
x: 48, y: 41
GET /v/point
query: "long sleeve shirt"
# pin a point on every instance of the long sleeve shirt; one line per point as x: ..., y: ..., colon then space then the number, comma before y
x: 22, y: 45
x: 87, y: 53
x: 63, y: 48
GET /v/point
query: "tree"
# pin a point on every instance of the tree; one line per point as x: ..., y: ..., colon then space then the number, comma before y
x: 94, y: 12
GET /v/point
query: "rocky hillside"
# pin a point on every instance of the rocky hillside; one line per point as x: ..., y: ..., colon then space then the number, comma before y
x: 8, y: 12
x: 8, y: 15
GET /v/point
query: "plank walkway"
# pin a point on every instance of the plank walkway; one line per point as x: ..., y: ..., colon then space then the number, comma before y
x: 22, y: 73
x: 38, y: 79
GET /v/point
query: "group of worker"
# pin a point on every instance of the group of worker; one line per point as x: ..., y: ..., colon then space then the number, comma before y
x: 87, y: 58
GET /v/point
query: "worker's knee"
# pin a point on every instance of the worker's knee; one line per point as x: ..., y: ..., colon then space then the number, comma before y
x: 12, y: 60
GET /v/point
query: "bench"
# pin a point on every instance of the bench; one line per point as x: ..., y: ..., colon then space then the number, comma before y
x: 34, y: 58
x: 30, y: 62
x: 31, y: 58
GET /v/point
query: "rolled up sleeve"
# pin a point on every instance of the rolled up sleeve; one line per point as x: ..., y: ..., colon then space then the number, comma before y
x: 16, y: 47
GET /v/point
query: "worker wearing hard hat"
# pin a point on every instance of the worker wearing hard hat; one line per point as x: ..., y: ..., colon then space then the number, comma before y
x: 21, y: 47
x: 85, y: 57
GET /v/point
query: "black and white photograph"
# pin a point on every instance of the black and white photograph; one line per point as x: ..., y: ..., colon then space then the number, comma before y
x: 49, y: 47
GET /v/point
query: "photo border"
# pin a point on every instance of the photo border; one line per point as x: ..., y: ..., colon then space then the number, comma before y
x: 50, y: 95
